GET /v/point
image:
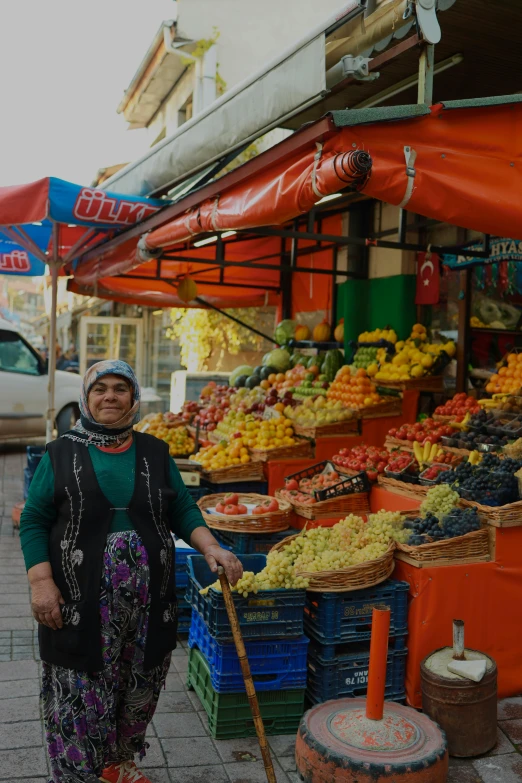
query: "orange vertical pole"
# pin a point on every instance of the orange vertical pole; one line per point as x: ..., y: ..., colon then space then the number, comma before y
x: 378, y: 662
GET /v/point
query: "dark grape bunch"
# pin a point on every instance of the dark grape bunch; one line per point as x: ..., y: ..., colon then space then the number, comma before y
x: 459, y: 522
x: 492, y: 482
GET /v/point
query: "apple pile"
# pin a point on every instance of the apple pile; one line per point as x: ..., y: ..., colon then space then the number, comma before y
x: 230, y: 506
x: 427, y: 431
x: 458, y: 406
x: 363, y: 458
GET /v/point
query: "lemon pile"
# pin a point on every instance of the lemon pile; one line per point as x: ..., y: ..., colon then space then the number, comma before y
x: 223, y: 455
x: 414, y: 357
x: 269, y: 434
x: 378, y: 334
x: 350, y: 542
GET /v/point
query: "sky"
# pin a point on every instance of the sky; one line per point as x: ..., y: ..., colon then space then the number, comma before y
x: 64, y: 65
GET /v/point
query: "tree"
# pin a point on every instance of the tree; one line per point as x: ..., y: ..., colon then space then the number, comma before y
x: 205, y: 333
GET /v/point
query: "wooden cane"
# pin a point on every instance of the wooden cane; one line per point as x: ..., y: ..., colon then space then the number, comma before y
x: 247, y: 676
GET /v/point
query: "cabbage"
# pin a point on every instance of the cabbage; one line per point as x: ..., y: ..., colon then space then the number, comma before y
x: 284, y: 332
x: 279, y: 358
x: 243, y: 369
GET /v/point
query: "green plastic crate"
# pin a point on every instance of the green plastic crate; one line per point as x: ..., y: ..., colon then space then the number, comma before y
x: 229, y: 715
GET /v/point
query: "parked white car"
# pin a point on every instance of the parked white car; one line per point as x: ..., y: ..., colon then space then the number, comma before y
x: 23, y: 389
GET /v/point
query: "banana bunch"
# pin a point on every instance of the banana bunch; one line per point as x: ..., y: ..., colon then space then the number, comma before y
x: 494, y: 401
x: 430, y: 452
x: 461, y: 425
x: 474, y: 457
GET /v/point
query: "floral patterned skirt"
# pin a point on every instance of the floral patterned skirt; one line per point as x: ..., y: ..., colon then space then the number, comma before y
x: 95, y: 719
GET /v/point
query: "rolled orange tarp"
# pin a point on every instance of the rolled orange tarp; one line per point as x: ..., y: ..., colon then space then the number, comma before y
x: 273, y: 196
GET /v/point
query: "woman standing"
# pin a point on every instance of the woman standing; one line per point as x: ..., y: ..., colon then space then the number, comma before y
x: 96, y: 537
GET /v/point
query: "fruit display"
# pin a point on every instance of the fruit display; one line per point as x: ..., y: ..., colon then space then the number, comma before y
x: 430, y: 452
x: 421, y: 432
x: 440, y: 500
x: 508, y: 379
x: 303, y: 491
x: 511, y: 404
x: 458, y: 406
x: 223, y: 455
x: 166, y: 427
x: 399, y: 462
x: 492, y: 482
x: 322, y: 332
x: 350, y: 542
x: 475, y: 439
x: 230, y: 506
x: 318, y: 412
x: 430, y: 527
x: 365, y: 358
x: 364, y: 458
x: 376, y: 335
x: 354, y: 391
x: 433, y: 472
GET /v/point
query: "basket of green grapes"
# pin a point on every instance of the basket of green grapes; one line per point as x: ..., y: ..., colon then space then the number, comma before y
x: 444, y: 532
x: 352, y: 555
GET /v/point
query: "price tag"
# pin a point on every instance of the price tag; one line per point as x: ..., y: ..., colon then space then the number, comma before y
x: 270, y: 413
x: 145, y: 427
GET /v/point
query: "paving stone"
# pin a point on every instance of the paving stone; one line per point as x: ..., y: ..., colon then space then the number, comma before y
x: 154, y: 757
x: 195, y: 701
x: 179, y: 652
x: 15, y: 610
x: 513, y: 730
x: 26, y: 734
x: 15, y: 569
x: 5, y: 657
x: 14, y: 765
x: 13, y: 598
x: 174, y: 702
x: 287, y: 763
x: 509, y: 709
x: 185, y: 724
x: 283, y: 744
x: 199, y: 751
x: 24, y: 708
x: 14, y: 623
x: 25, y: 671
x: 174, y: 682
x: 461, y: 771
x: 503, y: 746
x: 253, y: 773
x: 154, y: 775
x: 25, y: 656
x: 239, y: 750
x: 180, y: 664
x: 18, y: 688
x: 502, y: 769
x: 213, y: 774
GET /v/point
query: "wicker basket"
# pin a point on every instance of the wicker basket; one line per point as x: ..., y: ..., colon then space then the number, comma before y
x: 391, y: 444
x: 303, y: 448
x: 357, y: 503
x: 471, y: 548
x: 272, y: 522
x: 327, y: 430
x: 443, y: 419
x: 357, y: 577
x: 252, y: 471
x: 509, y: 515
x: 402, y: 488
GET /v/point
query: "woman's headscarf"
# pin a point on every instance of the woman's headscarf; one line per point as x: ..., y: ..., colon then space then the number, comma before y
x: 87, y: 430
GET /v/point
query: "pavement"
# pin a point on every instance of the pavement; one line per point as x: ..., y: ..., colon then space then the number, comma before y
x: 181, y: 749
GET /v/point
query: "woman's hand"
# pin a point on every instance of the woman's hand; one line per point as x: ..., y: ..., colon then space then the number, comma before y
x: 45, y: 603
x: 217, y: 556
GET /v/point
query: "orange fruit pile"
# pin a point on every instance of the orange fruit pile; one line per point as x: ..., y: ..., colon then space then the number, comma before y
x: 354, y: 391
x: 509, y: 378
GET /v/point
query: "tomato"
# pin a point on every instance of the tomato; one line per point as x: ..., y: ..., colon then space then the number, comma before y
x: 231, y: 498
x: 393, y: 432
x: 230, y: 509
x: 372, y: 475
x: 273, y: 506
x: 419, y: 437
x: 380, y: 467
x: 411, y: 436
x: 292, y: 484
x: 258, y: 510
x: 241, y: 509
x: 220, y: 508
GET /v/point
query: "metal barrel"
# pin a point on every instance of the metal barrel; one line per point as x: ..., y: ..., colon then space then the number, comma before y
x: 466, y: 711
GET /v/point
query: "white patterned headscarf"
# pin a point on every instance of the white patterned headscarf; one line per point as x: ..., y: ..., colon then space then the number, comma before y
x: 87, y: 430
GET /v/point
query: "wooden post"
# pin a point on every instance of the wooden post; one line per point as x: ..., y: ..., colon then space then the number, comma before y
x: 247, y: 676
x: 426, y: 64
x: 463, y: 339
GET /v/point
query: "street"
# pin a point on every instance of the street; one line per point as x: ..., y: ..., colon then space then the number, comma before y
x: 171, y: 758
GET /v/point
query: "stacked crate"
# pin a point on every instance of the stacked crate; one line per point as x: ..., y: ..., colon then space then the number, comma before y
x: 339, y: 628
x: 251, y: 543
x: 272, y: 627
x: 183, y: 552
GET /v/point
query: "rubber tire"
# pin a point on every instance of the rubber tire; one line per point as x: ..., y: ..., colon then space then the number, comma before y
x: 67, y: 418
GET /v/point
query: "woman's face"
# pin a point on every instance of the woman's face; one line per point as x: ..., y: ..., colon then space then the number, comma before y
x: 110, y: 398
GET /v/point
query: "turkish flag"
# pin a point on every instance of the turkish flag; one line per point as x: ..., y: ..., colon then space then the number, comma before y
x: 428, y: 279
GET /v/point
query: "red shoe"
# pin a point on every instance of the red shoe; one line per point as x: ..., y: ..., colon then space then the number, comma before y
x: 126, y: 772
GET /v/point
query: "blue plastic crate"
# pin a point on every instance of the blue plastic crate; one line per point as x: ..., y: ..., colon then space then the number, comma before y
x: 331, y: 618
x: 34, y: 455
x: 181, y: 559
x: 277, y: 664
x: 251, y: 543
x: 244, y: 487
x: 28, y: 477
x: 269, y: 614
x: 184, y: 620
x: 345, y: 674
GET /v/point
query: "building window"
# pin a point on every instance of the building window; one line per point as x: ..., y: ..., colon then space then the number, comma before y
x: 185, y: 113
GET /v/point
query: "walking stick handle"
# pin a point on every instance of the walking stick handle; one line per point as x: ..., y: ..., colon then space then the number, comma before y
x: 247, y: 676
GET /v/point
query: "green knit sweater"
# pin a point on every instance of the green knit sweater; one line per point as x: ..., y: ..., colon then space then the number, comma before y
x: 115, y: 473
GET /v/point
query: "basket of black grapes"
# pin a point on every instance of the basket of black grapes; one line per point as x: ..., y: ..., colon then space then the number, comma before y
x: 490, y: 483
x: 456, y: 536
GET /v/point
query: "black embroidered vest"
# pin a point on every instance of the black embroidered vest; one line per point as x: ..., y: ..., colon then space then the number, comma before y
x: 77, y: 544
